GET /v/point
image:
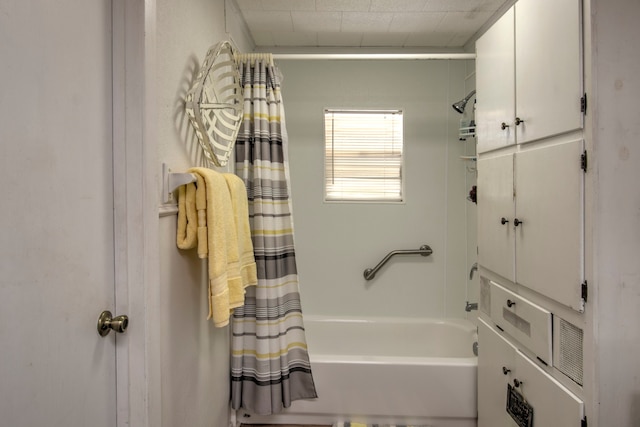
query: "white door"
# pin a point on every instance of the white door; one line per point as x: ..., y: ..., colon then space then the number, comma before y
x: 548, y: 68
x: 553, y: 404
x: 496, y: 369
x: 495, y: 80
x: 496, y: 235
x: 57, y: 250
x: 549, y: 202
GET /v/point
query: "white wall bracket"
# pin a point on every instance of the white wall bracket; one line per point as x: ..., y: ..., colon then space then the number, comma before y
x: 171, y: 182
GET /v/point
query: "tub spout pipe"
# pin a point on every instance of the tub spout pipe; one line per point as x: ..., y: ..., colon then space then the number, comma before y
x: 474, y: 268
x: 471, y: 306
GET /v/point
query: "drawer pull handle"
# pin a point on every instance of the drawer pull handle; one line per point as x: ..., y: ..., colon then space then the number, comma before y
x: 517, y: 222
x: 518, y: 121
x: 517, y: 383
x: 505, y: 370
x: 503, y: 126
x: 510, y: 303
x: 504, y: 221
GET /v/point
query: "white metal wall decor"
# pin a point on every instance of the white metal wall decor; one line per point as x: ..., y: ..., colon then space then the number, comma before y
x: 214, y: 104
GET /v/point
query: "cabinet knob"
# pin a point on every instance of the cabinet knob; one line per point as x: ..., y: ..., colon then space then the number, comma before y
x: 510, y: 303
x: 517, y: 222
x: 517, y: 383
x: 505, y: 370
x: 518, y: 121
x: 503, y: 126
x: 504, y: 221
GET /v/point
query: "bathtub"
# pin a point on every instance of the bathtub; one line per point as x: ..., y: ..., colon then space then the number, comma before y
x: 387, y: 371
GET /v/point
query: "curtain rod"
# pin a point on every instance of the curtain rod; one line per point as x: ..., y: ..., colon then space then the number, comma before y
x: 407, y: 56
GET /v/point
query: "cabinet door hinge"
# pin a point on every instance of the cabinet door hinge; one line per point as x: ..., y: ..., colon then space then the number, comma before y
x: 584, y: 422
x: 584, y: 293
x: 583, y: 104
x: 583, y: 161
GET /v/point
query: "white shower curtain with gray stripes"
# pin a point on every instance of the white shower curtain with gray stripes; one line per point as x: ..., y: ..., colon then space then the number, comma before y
x: 269, y: 363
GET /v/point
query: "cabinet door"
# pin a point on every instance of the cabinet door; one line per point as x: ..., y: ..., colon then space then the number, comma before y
x: 548, y: 67
x: 549, y: 202
x: 494, y: 354
x: 553, y: 405
x: 495, y: 100
x: 495, y: 215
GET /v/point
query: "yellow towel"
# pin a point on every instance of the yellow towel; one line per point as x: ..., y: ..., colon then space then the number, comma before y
x: 216, y: 237
x: 248, y: 273
x: 187, y: 217
x: 192, y: 221
x: 201, y: 206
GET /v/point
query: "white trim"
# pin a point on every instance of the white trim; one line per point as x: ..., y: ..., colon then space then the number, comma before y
x: 342, y: 137
x: 135, y: 217
x: 119, y: 205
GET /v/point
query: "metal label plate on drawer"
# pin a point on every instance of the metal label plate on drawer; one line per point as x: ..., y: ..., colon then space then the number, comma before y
x: 518, y: 408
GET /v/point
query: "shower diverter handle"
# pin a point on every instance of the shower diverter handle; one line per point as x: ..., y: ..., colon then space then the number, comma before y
x: 425, y: 250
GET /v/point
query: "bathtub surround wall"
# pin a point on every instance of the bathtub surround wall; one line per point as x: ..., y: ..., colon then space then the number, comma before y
x: 336, y: 242
x: 471, y: 216
x: 195, y: 354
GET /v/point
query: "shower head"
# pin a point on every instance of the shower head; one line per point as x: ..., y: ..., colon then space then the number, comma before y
x: 459, y: 106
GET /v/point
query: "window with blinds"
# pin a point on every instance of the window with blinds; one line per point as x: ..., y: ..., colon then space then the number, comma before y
x: 363, y: 155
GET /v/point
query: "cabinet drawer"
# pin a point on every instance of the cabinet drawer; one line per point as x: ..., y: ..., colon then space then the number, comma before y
x: 525, y: 321
x: 553, y: 404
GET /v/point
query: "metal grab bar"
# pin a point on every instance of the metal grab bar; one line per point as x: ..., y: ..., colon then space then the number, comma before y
x: 424, y: 250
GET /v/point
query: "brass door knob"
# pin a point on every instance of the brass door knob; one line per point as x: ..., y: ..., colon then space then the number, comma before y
x: 107, y: 323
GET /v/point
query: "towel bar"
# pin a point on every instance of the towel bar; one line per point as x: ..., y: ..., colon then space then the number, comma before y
x: 171, y: 181
x: 425, y: 250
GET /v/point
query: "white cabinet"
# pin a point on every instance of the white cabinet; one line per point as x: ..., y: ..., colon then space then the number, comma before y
x: 496, y: 357
x: 548, y: 67
x: 530, y: 193
x: 495, y: 82
x: 549, y: 207
x: 526, y: 200
x: 496, y: 235
x: 529, y: 74
x: 501, y: 364
x: 525, y: 321
x: 553, y: 404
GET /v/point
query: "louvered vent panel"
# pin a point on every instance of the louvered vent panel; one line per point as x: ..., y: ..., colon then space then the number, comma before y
x: 570, y: 361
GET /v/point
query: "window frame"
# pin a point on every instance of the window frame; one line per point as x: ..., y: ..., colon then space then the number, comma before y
x: 402, y: 171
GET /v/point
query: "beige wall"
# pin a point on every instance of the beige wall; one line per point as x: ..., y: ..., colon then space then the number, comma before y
x: 614, y: 295
x: 336, y: 242
x: 195, y: 355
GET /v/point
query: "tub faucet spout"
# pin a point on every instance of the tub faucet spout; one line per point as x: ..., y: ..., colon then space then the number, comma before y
x: 471, y: 306
x: 474, y: 267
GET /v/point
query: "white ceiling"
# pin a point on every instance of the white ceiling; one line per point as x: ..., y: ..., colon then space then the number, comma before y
x: 366, y: 23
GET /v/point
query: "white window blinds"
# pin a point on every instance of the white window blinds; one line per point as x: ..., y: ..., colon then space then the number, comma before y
x: 363, y: 155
